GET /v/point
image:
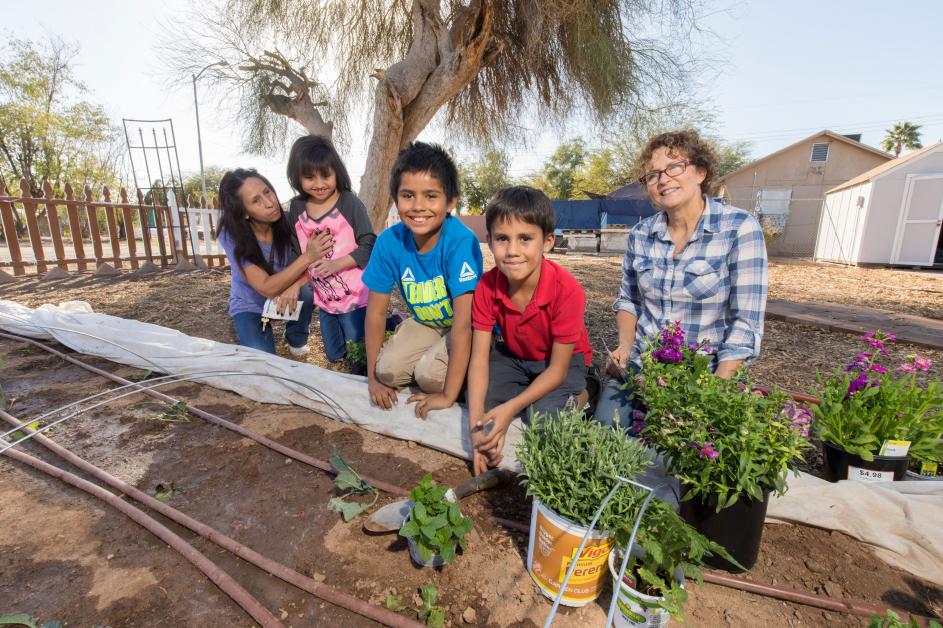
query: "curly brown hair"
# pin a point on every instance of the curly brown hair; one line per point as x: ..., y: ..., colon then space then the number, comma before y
x: 686, y: 144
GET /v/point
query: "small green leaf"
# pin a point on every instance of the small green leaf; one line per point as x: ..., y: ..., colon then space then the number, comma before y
x: 348, y: 510
x: 163, y: 491
x: 436, y: 618
x: 429, y: 594
x: 394, y: 602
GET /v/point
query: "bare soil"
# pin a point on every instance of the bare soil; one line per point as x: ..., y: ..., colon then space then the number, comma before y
x: 65, y: 556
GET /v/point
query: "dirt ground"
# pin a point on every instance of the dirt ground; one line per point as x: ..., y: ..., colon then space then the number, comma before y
x: 66, y: 556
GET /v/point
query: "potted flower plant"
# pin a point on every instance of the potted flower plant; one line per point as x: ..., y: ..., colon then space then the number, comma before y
x: 434, y: 526
x: 871, y: 419
x: 569, y: 466
x: 728, y: 445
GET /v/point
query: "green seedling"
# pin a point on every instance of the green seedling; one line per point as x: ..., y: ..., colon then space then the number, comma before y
x: 430, y: 613
x: 434, y: 523
x: 349, y: 483
x: 357, y: 352
x: 893, y: 620
x: 174, y: 413
x: 23, y: 619
x: 17, y: 435
x: 141, y: 378
x: 163, y: 491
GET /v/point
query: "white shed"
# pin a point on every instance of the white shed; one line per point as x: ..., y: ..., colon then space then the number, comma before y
x: 891, y: 214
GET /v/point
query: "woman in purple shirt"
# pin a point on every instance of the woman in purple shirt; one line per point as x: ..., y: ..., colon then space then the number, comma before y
x: 257, y: 239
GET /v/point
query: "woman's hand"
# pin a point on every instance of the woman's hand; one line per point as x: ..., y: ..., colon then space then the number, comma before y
x: 325, y: 267
x: 286, y: 302
x: 319, y: 245
x: 619, y: 361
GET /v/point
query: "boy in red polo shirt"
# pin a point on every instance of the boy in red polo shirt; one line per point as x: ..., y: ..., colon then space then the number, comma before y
x: 538, y: 361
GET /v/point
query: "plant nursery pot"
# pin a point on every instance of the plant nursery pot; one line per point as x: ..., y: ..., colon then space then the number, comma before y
x: 932, y: 472
x: 841, y: 465
x: 634, y: 608
x: 553, y: 543
x: 738, y: 528
x: 435, y: 561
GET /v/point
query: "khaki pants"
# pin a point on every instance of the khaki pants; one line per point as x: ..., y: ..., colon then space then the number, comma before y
x: 414, y: 353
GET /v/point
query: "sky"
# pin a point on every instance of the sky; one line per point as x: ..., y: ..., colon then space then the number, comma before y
x: 786, y: 70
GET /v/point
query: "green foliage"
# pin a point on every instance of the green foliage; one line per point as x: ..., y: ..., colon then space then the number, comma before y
x: 570, y: 464
x: 902, y: 135
x: 163, y: 491
x: 174, y: 413
x: 430, y: 613
x: 193, y: 185
x: 482, y: 179
x: 357, y: 352
x: 865, y: 404
x: 434, y: 523
x: 719, y: 438
x: 17, y: 435
x: 561, y: 170
x: 349, y: 483
x: 893, y: 620
x: 44, y: 132
x: 23, y: 619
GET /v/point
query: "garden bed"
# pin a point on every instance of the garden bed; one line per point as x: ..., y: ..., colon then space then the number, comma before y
x: 77, y: 561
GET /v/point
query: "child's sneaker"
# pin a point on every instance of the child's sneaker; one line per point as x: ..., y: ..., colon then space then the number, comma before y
x: 298, y: 351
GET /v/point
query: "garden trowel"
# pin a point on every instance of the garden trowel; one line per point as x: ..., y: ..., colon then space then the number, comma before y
x: 390, y: 518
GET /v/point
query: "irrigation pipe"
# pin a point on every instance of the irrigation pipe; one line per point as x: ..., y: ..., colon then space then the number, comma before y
x: 212, y: 571
x: 848, y: 606
x: 322, y: 591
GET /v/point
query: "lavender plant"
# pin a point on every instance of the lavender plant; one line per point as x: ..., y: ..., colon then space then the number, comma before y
x: 721, y: 439
x: 866, y: 403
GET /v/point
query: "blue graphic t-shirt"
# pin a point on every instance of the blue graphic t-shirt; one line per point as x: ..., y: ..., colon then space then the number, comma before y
x: 427, y: 281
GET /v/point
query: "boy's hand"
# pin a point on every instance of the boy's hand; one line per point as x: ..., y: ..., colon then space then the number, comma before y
x: 493, y: 443
x: 382, y: 395
x: 426, y: 402
x: 319, y: 245
x: 479, y: 462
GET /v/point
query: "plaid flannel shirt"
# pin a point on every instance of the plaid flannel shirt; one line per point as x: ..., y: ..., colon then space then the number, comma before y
x: 716, y: 286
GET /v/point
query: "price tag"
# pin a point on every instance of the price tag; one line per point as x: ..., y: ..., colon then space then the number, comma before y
x: 895, y: 448
x: 869, y: 475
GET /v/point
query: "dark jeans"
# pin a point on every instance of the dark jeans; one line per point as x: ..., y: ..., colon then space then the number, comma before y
x: 509, y: 376
x: 615, y: 403
x: 337, y: 329
x: 250, y: 333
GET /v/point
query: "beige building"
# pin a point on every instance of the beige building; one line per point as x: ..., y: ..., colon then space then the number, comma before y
x: 787, y: 187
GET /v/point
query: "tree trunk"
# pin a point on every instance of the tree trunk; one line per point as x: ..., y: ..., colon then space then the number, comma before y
x: 438, y: 65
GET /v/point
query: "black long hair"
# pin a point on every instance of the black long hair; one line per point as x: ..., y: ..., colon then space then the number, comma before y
x: 314, y: 153
x: 234, y: 221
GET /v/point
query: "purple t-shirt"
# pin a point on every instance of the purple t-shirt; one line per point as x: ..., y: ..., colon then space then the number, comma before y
x: 242, y: 296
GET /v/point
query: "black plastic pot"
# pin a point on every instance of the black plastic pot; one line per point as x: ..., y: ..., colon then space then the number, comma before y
x: 739, y: 528
x: 838, y: 461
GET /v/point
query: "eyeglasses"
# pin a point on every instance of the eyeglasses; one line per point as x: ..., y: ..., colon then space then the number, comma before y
x: 673, y: 170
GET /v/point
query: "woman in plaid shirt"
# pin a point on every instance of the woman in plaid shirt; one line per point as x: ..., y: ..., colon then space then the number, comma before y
x: 696, y: 261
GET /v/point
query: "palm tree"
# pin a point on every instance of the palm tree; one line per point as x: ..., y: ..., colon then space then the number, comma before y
x: 903, y: 135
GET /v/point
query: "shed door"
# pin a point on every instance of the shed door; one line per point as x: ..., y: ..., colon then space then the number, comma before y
x: 922, y: 216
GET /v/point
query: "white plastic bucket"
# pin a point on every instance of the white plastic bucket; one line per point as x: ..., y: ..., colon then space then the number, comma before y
x: 552, y: 547
x: 634, y: 609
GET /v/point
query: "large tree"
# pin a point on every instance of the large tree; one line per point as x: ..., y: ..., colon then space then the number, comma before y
x: 902, y: 135
x: 485, y: 64
x: 46, y: 131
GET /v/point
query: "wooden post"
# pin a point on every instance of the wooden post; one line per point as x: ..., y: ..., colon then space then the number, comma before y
x: 75, y: 227
x: 129, y: 227
x: 32, y: 224
x: 9, y: 231
x: 172, y: 237
x: 112, y: 227
x: 53, y: 215
x: 145, y: 228
x: 93, y: 225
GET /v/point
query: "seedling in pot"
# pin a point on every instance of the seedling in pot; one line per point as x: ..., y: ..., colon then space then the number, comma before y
x: 435, y: 525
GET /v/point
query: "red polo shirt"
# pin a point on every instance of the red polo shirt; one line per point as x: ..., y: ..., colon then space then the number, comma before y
x: 554, y: 314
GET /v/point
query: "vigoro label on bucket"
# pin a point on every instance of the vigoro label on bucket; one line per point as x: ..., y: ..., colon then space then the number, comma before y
x: 555, y: 549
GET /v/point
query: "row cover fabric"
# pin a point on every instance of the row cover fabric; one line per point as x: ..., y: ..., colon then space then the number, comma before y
x: 902, y: 521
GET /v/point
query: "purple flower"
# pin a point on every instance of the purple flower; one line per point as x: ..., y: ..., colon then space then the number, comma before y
x: 877, y: 368
x: 708, y: 451
x: 862, y: 381
x: 638, y: 415
x: 637, y: 426
x: 707, y: 348
x: 907, y: 368
x: 668, y: 354
x: 922, y: 363
x: 861, y: 362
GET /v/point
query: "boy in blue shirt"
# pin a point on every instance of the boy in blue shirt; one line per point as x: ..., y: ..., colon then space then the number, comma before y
x: 435, y: 261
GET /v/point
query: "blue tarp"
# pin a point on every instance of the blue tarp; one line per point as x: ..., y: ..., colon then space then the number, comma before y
x: 597, y: 213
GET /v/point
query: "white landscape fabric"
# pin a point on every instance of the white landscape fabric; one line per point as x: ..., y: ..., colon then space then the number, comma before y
x: 159, y: 349
x: 903, y: 521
